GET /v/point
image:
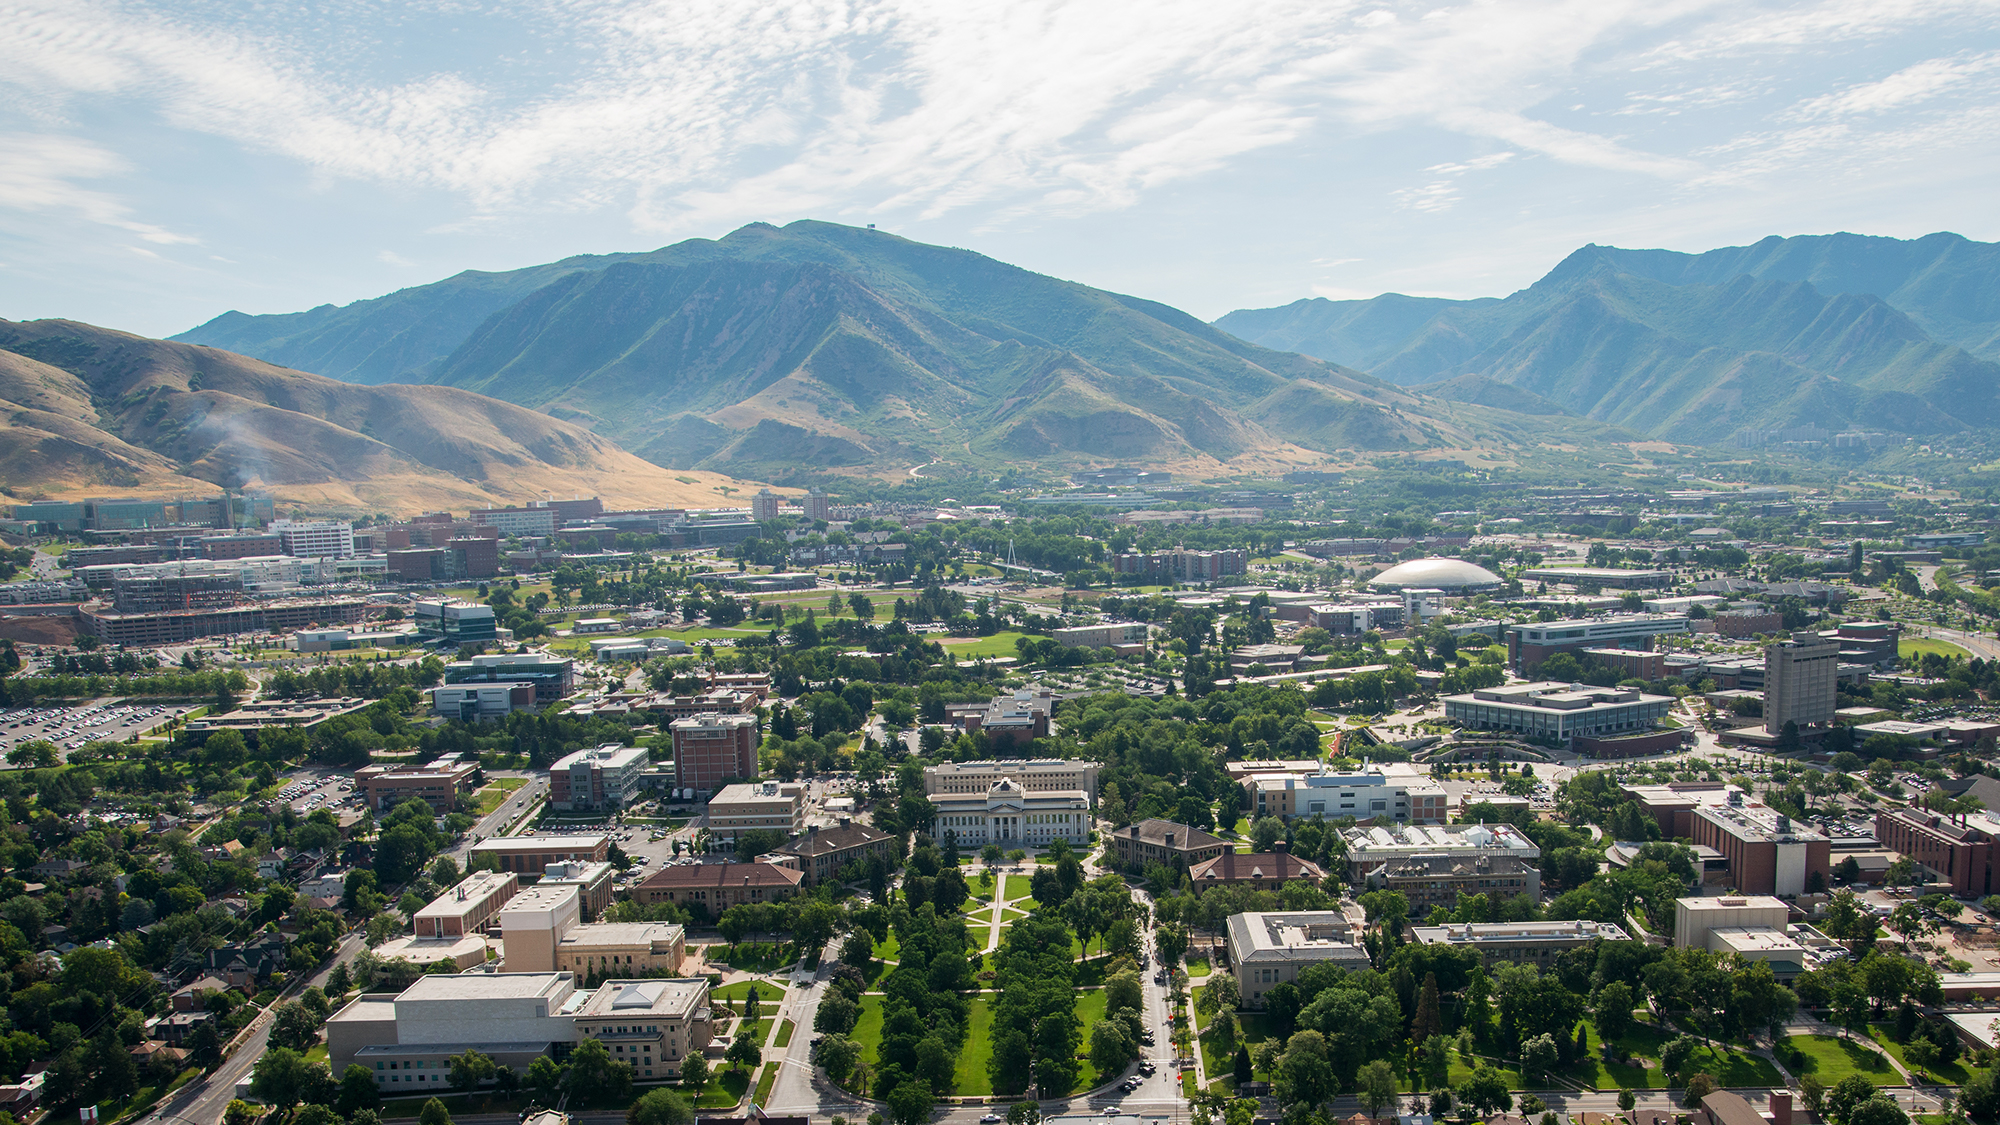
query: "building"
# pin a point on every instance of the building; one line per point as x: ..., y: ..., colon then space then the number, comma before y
x: 1273, y: 659
x: 1530, y: 943
x: 1694, y: 918
x: 1635, y: 663
x: 1747, y: 622
x: 1372, y: 794
x: 1013, y: 817
x: 1943, y: 539
x: 518, y: 522
x: 763, y: 806
x: 481, y: 702
x: 532, y: 855
x: 1799, y: 683
x: 554, y: 677
x: 1013, y: 719
x: 408, y: 1040
x: 1455, y: 577
x: 1370, y: 848
x: 1768, y: 854
x: 1601, y: 576
x: 764, y: 505
x: 1163, y: 841
x: 315, y: 539
x: 1035, y: 775
x: 1182, y: 565
x: 1267, y: 950
x: 1786, y: 956
x: 823, y: 852
x: 1270, y: 869
x: 1552, y: 710
x: 1101, y: 636
x: 450, y: 621
x: 438, y: 784
x: 1438, y: 880
x: 242, y: 545
x: 1530, y: 644
x: 817, y: 505
x: 532, y: 922
x: 1959, y: 852
x: 467, y: 908
x: 602, y: 778
x: 622, y: 949
x: 593, y: 882
x: 712, y: 749
x: 150, y: 630
x: 715, y: 887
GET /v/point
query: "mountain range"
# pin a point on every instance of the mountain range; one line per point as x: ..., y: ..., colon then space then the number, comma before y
x: 1843, y: 332
x: 91, y: 411
x: 817, y: 346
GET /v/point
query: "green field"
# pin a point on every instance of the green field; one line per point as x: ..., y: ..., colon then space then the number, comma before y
x: 1908, y: 646
x: 1019, y: 887
x: 999, y: 644
x: 726, y: 1090
x: 1831, y: 1059
x: 971, y: 1075
x: 1952, y: 1072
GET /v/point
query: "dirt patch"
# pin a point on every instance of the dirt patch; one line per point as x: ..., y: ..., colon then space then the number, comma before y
x: 38, y: 630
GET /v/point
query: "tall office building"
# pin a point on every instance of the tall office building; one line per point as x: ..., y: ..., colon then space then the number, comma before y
x: 1799, y: 679
x: 315, y: 539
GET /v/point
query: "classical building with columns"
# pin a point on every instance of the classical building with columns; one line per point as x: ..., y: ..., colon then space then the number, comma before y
x: 1011, y: 816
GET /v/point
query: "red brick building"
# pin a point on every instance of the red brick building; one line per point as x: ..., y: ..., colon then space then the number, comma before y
x: 719, y: 886
x: 712, y: 749
x: 1960, y: 854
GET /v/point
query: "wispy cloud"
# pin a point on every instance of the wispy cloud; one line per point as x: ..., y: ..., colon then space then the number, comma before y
x: 43, y: 173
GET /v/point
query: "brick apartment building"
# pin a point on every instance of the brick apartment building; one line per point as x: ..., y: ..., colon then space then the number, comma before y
x: 1959, y: 853
x: 712, y: 749
x: 437, y: 784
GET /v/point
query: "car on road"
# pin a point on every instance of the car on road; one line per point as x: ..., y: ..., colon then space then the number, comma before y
x: 990, y: 1118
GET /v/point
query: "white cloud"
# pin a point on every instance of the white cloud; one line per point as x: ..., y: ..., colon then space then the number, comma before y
x: 39, y: 173
x: 1910, y: 86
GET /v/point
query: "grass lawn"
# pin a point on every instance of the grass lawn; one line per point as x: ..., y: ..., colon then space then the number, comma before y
x: 1089, y: 1013
x: 889, y: 949
x: 726, y: 1090
x: 765, y: 1083
x: 1908, y: 646
x: 1952, y: 1072
x: 971, y: 1077
x: 999, y: 644
x: 1021, y: 887
x: 1199, y: 969
x: 1643, y: 1041
x: 1831, y: 1059
x: 784, y: 1037
x: 768, y: 992
x: 867, y: 1032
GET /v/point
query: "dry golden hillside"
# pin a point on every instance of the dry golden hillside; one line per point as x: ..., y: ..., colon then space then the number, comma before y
x: 90, y: 410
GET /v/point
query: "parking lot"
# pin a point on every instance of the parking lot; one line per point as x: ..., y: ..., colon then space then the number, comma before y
x: 104, y: 720
x: 309, y: 792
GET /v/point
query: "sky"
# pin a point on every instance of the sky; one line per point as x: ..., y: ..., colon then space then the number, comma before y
x: 161, y: 163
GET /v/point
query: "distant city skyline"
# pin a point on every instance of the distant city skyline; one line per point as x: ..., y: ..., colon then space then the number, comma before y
x: 162, y: 163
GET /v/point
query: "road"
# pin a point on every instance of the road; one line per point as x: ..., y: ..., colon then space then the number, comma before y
x: 202, y: 1102
x: 1984, y: 647
x: 495, y: 822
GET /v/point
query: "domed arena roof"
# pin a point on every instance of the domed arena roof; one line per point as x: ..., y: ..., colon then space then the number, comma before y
x: 1436, y: 574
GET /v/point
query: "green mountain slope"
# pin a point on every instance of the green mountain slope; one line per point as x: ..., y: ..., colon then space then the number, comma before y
x: 823, y: 345
x: 1695, y: 347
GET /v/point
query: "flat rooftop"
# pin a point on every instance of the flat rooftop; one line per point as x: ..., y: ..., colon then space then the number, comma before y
x: 1315, y: 935
x: 486, y: 986
x: 657, y: 997
x: 568, y: 842
x: 622, y: 933
x: 1755, y: 939
x: 1516, y: 933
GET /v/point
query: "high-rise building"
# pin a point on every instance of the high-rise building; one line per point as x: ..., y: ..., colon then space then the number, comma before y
x: 817, y: 505
x: 315, y: 539
x: 712, y: 749
x: 764, y: 505
x: 1799, y: 679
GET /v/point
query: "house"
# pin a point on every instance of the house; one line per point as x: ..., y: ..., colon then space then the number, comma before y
x: 247, y: 965
x: 58, y: 868
x: 193, y: 996
x: 178, y: 1028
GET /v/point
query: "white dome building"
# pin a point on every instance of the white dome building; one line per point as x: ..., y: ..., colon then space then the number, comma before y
x: 1453, y: 576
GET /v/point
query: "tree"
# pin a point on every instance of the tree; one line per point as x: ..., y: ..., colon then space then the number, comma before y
x: 1612, y: 1009
x: 1428, y: 1020
x: 1024, y: 1113
x: 469, y: 1070
x: 1878, y: 1110
x: 206, y: 1045
x: 1847, y: 1095
x: 837, y: 1055
x: 293, y: 1026
x: 1980, y: 1096
x: 240, y: 1112
x: 1375, y: 1086
x: 694, y: 1073
x: 593, y: 1075
x: 911, y: 1102
x: 1698, y: 1087
x: 743, y: 1052
x: 1485, y: 1092
x: 1539, y: 1056
x: 858, y: 949
x: 357, y: 1090
x: 280, y: 1077
x: 1305, y: 1072
x: 434, y: 1113
x: 1626, y: 1100
x: 660, y: 1107
x: 545, y: 1078
x: 1244, y: 1073
x: 316, y: 1115
x: 1676, y: 1054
